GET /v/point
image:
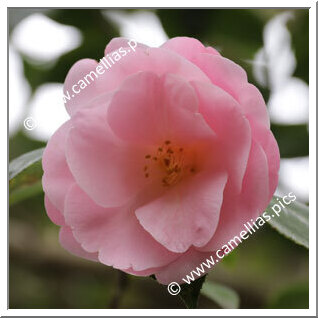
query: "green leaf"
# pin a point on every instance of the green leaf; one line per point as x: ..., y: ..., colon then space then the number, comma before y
x: 293, y: 221
x: 221, y: 295
x: 25, y: 174
x: 19, y: 164
x: 190, y: 292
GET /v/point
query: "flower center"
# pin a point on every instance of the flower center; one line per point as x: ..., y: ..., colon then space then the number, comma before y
x: 171, y: 161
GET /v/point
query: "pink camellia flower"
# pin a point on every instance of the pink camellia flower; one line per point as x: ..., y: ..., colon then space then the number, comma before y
x: 164, y: 158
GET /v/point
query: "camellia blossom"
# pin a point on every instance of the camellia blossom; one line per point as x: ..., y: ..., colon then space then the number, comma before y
x: 163, y: 160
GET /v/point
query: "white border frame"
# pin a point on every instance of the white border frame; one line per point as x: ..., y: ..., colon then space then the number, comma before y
x: 312, y: 161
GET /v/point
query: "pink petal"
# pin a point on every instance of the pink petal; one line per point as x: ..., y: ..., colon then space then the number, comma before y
x: 115, y: 233
x: 57, y: 177
x: 187, y: 214
x: 253, y: 105
x: 183, y: 266
x: 117, y: 43
x: 68, y: 242
x: 187, y: 47
x: 156, y: 60
x: 233, y: 79
x: 237, y: 209
x: 53, y: 213
x: 224, y: 116
x: 212, y: 50
x: 149, y: 110
x: 108, y: 170
x: 268, y: 142
x: 77, y: 72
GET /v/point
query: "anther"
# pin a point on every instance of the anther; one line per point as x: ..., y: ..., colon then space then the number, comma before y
x: 167, y: 142
x: 166, y: 161
x: 169, y: 150
x: 164, y: 181
x: 147, y: 156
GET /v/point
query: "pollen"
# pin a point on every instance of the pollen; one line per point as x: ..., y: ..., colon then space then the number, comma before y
x: 169, y: 161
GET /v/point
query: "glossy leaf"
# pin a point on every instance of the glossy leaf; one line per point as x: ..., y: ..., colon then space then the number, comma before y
x: 19, y: 164
x: 222, y: 295
x: 292, y: 222
x: 25, y: 174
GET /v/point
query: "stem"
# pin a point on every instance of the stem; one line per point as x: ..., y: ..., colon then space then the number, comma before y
x: 120, y: 290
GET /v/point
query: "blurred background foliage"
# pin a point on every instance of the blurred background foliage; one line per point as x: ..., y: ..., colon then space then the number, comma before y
x: 267, y: 271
